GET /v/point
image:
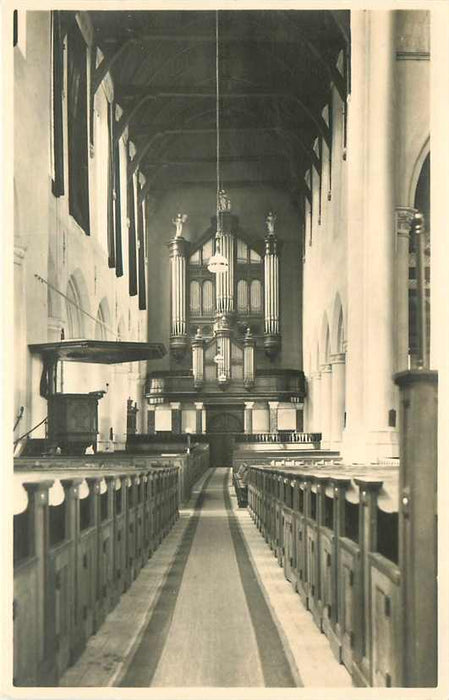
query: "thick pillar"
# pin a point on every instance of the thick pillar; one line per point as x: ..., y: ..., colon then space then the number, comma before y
x: 337, y: 399
x: 404, y: 217
x: 418, y: 525
x: 249, y: 405
x: 178, y: 248
x: 273, y: 406
x: 325, y: 401
x: 176, y: 417
x: 370, y: 363
x: 200, y: 417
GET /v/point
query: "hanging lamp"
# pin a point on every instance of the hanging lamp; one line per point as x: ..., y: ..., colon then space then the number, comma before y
x: 217, y: 263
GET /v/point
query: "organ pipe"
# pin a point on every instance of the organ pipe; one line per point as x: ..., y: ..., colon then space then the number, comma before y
x: 225, y: 280
x: 272, y: 339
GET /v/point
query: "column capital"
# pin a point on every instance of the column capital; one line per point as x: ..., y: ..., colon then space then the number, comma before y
x: 339, y: 358
x: 199, y: 405
x: 403, y: 219
x: 273, y: 404
x: 151, y: 406
x: 249, y: 404
x: 175, y: 405
x: 326, y: 368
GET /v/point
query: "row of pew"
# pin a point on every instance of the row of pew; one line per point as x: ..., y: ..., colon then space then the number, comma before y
x: 335, y: 533
x: 81, y: 537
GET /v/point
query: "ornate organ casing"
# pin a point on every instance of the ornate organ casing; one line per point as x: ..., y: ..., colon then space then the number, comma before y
x: 225, y: 316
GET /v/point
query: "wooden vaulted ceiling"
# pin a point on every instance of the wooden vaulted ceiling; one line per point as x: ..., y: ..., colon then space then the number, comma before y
x: 276, y: 69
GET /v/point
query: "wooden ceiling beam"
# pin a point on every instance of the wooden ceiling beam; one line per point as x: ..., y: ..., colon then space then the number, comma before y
x: 151, y: 95
x: 228, y: 184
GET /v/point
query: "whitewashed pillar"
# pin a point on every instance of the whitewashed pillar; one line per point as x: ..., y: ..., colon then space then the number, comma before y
x: 249, y: 406
x: 337, y: 399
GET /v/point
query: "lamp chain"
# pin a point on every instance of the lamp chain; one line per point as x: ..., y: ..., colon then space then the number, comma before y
x: 217, y: 106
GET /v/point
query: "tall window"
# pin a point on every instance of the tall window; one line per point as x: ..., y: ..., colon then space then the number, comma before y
x: 78, y: 127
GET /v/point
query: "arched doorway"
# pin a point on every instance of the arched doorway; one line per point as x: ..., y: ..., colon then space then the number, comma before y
x: 222, y: 426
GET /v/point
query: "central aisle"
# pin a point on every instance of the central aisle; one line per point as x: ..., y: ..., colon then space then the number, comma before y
x: 211, y: 625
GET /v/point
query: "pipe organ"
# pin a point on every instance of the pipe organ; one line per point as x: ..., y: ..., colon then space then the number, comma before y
x: 272, y: 339
x: 208, y: 315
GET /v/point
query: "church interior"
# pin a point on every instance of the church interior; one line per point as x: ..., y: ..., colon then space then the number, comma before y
x: 225, y: 375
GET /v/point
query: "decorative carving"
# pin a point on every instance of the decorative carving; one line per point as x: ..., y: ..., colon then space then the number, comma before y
x: 404, y: 218
x: 270, y: 221
x: 224, y: 202
x: 179, y: 222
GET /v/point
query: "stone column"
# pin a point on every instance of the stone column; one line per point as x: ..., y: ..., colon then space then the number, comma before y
x: 200, y: 418
x: 370, y: 362
x: 326, y: 398
x: 404, y: 216
x: 249, y: 405
x: 380, y: 395
x: 175, y: 417
x: 151, y: 426
x: 337, y: 399
x: 273, y: 406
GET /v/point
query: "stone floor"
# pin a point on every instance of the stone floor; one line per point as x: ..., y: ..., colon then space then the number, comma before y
x: 210, y: 609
